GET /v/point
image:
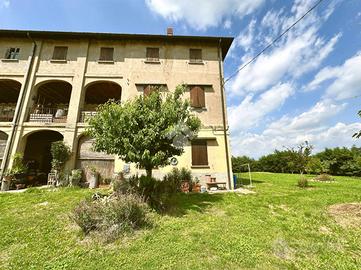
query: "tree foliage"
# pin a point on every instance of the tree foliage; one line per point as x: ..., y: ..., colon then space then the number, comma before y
x: 147, y: 130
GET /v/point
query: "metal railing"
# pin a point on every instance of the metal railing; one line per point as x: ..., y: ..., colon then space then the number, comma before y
x: 43, y: 114
x: 7, y: 113
x: 85, y: 115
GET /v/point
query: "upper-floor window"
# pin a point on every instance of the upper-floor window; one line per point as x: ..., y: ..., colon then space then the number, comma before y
x: 148, y: 89
x: 152, y: 54
x: 12, y: 53
x: 195, y: 55
x: 106, y: 54
x: 60, y: 53
x: 199, y: 153
x: 197, y: 97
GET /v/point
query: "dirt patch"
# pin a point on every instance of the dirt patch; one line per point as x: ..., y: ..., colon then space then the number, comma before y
x: 346, y: 214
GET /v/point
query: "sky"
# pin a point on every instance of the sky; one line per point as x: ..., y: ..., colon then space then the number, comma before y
x: 305, y: 87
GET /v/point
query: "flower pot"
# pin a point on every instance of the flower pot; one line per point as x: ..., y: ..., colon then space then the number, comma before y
x: 93, y: 180
x: 185, y: 186
x: 196, y: 188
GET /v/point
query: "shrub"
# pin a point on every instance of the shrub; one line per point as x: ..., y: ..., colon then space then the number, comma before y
x: 302, y: 182
x: 60, y: 153
x: 155, y: 192
x: 112, y: 216
x: 324, y: 178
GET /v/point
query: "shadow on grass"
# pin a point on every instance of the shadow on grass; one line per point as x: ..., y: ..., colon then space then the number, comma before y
x: 182, y: 203
x: 245, y: 181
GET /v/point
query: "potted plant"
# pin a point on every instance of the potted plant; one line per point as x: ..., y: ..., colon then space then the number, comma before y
x: 93, y: 177
x: 60, y: 153
x: 18, y: 171
x: 196, y: 186
x: 186, y: 180
x: 75, y: 177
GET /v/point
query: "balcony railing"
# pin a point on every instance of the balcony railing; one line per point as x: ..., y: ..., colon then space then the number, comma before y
x: 85, y: 115
x: 48, y: 115
x: 7, y: 113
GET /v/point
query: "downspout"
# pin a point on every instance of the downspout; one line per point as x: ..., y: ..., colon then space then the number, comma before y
x: 221, y: 84
x: 19, y: 104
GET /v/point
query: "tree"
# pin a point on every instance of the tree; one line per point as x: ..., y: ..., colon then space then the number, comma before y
x: 358, y: 134
x: 148, y: 130
x: 60, y: 153
x: 239, y: 162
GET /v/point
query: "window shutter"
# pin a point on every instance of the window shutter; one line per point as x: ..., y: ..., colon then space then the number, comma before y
x: 7, y: 54
x: 106, y: 54
x: 147, y: 90
x: 195, y: 55
x: 197, y: 97
x: 152, y: 54
x: 60, y: 53
x: 199, y: 152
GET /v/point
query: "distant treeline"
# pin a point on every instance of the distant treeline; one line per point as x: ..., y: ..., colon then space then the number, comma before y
x: 335, y: 161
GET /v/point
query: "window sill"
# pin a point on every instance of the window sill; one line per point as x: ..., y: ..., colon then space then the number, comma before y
x: 195, y: 62
x: 59, y: 61
x: 105, y: 61
x: 200, y: 167
x: 199, y: 109
x: 152, y: 62
x: 10, y: 60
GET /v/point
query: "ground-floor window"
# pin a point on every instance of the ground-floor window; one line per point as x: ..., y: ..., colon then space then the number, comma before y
x: 199, y: 152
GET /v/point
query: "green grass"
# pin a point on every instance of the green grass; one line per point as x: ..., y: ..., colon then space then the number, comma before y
x: 280, y: 227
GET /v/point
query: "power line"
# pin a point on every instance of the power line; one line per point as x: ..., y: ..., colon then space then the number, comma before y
x: 273, y: 42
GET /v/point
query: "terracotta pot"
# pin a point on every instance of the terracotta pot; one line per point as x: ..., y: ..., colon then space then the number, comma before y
x: 185, y: 186
x: 196, y: 188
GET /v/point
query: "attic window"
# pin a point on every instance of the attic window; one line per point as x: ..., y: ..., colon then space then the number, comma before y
x: 106, y: 54
x: 195, y: 56
x: 60, y: 53
x: 12, y: 54
x: 152, y: 54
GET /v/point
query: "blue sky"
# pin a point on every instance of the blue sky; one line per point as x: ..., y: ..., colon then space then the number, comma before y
x: 306, y: 87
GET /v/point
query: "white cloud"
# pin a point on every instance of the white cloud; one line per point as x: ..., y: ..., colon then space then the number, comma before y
x: 227, y: 24
x: 345, y: 80
x: 250, y: 112
x: 309, y: 121
x: 257, y: 145
x: 4, y: 3
x: 202, y: 14
x: 290, y: 131
x: 300, y: 51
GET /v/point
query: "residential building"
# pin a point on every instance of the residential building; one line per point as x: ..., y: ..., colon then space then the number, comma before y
x: 51, y: 82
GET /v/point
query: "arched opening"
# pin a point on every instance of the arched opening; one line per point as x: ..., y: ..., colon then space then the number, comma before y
x: 99, y: 93
x: 87, y: 158
x: 3, y: 140
x: 9, y: 94
x: 37, y: 153
x: 51, y: 102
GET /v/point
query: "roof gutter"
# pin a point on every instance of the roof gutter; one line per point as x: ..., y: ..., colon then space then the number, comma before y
x: 19, y: 104
x: 221, y: 83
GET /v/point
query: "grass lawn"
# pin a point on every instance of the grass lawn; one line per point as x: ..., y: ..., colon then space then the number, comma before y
x: 279, y: 227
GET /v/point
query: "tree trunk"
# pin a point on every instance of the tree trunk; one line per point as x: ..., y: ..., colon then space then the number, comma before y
x: 149, y: 172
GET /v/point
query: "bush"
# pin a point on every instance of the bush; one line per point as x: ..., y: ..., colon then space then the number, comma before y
x: 112, y: 216
x: 302, y: 182
x: 155, y: 192
x: 324, y: 178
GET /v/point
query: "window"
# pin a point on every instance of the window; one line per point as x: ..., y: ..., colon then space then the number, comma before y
x: 148, y: 89
x: 12, y: 53
x: 195, y: 55
x: 60, y: 53
x: 199, y: 153
x: 153, y: 54
x: 197, y: 97
x: 106, y: 54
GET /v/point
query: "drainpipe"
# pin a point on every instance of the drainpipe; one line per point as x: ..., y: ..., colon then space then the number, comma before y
x: 15, y: 121
x: 221, y: 83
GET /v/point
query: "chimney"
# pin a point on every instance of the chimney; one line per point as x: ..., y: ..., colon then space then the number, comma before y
x: 170, y: 31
